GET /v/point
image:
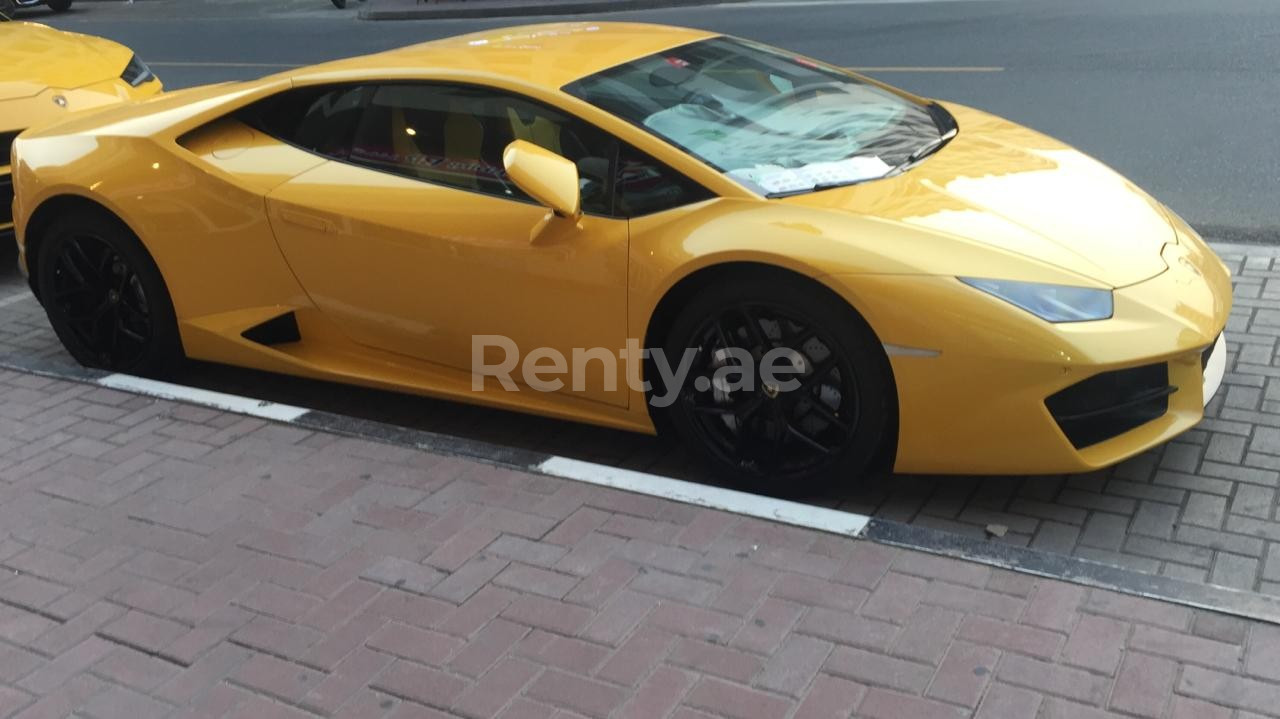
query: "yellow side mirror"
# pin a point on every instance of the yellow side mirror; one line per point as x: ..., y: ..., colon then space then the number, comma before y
x: 545, y: 176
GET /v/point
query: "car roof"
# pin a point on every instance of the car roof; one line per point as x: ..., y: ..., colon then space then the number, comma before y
x: 550, y: 55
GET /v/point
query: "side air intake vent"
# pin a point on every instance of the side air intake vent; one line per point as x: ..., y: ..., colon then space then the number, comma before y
x: 276, y: 331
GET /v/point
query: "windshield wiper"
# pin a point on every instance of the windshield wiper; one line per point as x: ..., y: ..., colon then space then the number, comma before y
x: 925, y: 150
x: 820, y: 186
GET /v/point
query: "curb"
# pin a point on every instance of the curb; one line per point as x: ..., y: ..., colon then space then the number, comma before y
x: 374, y: 10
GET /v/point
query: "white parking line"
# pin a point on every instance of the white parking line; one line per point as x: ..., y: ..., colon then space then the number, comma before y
x: 928, y: 68
x: 281, y: 65
x: 15, y: 299
x: 728, y: 500
x: 205, y: 398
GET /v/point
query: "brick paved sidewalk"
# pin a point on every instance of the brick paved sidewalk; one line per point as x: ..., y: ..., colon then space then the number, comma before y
x: 160, y: 559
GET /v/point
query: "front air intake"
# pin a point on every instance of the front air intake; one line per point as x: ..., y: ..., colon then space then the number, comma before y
x: 1112, y: 403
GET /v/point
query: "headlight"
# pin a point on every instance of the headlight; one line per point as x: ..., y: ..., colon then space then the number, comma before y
x: 1052, y: 303
x: 137, y: 72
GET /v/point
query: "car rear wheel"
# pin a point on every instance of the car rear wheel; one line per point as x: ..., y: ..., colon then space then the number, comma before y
x: 105, y: 297
x: 59, y: 5
x: 816, y: 428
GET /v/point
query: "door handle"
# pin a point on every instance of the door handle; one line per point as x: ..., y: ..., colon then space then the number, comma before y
x: 307, y: 220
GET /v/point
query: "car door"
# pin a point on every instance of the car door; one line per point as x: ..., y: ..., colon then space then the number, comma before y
x: 415, y: 241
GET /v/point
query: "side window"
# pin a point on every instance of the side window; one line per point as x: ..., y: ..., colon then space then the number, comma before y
x: 645, y: 186
x: 318, y: 119
x: 455, y: 135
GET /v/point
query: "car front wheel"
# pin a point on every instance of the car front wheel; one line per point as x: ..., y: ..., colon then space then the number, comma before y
x: 105, y: 297
x: 815, y: 420
x: 59, y: 5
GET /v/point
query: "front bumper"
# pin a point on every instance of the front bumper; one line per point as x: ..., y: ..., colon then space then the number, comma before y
x: 973, y: 374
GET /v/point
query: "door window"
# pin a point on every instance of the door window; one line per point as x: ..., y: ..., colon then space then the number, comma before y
x: 455, y: 136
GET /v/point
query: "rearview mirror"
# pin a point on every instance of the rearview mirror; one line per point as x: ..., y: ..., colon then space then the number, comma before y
x: 545, y: 176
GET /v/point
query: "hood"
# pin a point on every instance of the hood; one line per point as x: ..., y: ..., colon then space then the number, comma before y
x: 1003, y: 185
x: 34, y: 57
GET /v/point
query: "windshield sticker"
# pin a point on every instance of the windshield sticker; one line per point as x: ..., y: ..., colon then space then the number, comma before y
x: 774, y: 179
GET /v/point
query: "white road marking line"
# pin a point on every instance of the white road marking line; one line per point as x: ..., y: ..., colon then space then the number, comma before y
x: 729, y: 500
x: 15, y: 299
x: 206, y: 398
x: 223, y: 64
x: 927, y: 68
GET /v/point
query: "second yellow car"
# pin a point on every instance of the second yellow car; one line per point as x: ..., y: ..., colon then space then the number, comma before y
x: 47, y: 74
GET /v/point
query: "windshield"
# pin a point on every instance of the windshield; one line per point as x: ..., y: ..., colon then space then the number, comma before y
x: 778, y: 123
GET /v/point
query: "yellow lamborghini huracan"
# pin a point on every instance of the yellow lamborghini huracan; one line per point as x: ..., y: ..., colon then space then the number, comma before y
x: 795, y: 268
x: 45, y: 74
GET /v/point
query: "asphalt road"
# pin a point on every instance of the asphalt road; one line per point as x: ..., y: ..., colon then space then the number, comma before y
x: 1179, y: 95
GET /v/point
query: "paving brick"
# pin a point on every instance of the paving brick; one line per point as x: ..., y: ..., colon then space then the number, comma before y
x: 548, y: 614
x: 1228, y: 690
x: 830, y: 698
x: 496, y: 688
x: 1003, y: 701
x: 927, y: 634
x: 1074, y: 684
x: 885, y: 704
x: 121, y: 703
x: 791, y: 669
x: 420, y: 684
x: 1097, y: 643
x: 572, y: 655
x: 872, y: 668
x: 1185, y: 647
x: 734, y: 701
x: 843, y: 628
x: 1144, y: 685
x: 1053, y: 606
x: 1139, y: 610
x: 409, y: 642
x: 715, y: 660
x: 486, y: 647
x: 579, y: 694
x: 1263, y: 656
x: 1013, y: 637
x: 403, y: 574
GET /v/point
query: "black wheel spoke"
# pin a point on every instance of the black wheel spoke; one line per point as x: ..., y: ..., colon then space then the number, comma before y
x: 806, y: 439
x: 101, y: 300
x: 817, y: 406
x: 764, y: 430
x: 753, y: 329
x: 824, y: 369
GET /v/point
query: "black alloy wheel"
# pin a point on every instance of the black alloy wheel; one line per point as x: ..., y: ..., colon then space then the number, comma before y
x: 821, y: 419
x: 105, y: 297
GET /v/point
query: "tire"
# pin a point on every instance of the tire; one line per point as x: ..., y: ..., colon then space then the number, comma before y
x: 105, y: 297
x: 340, y: 4
x: 822, y: 434
x: 58, y: 5
x: 8, y: 8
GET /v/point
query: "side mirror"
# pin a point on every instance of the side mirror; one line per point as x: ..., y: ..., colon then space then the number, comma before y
x: 545, y: 176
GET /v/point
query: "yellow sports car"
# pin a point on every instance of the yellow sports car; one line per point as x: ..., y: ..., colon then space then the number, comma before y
x: 795, y: 268
x: 45, y: 74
